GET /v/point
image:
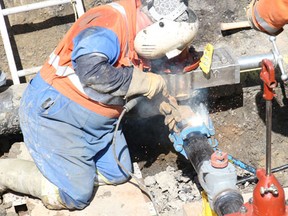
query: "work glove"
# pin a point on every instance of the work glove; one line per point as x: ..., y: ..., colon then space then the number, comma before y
x: 146, y: 84
x: 177, y: 116
x: 169, y: 108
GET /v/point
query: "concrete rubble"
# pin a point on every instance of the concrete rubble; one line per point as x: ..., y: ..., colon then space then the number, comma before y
x: 171, y: 190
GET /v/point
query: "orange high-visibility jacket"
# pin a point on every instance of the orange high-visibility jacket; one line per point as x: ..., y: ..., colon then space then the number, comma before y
x: 270, y: 15
x: 119, y: 17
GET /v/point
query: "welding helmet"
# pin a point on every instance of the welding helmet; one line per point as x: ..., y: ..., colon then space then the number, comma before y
x: 173, y: 28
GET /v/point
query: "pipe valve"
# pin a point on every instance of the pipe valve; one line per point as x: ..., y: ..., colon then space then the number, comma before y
x: 272, y: 189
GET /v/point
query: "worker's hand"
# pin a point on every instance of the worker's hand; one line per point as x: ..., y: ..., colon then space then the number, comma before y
x: 146, y: 84
x: 170, y: 109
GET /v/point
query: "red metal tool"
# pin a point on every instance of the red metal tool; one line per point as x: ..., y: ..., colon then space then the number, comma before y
x: 219, y: 159
x: 268, y: 195
x: 267, y: 75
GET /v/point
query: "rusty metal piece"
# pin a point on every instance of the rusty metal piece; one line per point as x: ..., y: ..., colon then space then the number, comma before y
x: 267, y: 75
x: 219, y: 159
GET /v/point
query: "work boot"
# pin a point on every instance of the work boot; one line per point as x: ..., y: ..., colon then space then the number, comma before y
x: 20, y: 151
x: 24, y: 177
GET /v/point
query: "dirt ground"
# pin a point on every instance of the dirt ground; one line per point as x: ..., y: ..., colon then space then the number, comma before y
x: 239, y: 117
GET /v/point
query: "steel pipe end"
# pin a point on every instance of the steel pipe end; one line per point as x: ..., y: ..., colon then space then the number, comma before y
x: 228, y: 202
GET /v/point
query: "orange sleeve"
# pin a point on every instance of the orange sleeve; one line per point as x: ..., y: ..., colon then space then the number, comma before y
x: 271, y: 13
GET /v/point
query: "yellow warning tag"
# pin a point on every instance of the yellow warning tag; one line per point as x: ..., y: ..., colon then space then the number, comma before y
x: 206, y: 59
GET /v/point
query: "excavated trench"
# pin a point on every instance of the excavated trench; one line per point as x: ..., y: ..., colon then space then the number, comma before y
x: 237, y: 111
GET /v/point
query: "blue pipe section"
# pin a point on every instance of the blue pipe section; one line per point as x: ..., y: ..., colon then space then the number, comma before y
x: 241, y: 164
x: 178, y: 140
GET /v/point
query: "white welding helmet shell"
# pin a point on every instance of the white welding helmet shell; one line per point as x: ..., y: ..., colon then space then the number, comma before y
x: 174, y: 28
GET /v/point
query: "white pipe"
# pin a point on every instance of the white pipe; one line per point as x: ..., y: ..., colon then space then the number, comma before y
x: 29, y: 71
x: 8, y: 49
x: 79, y: 8
x: 34, y: 6
x: 5, y: 36
x: 254, y: 61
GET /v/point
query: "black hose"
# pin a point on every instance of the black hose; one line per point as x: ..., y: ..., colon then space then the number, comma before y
x: 197, y: 149
x: 128, y: 106
x: 254, y: 177
x: 114, y: 143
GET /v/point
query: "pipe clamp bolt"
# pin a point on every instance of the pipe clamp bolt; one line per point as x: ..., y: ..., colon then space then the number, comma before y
x: 243, y: 209
x: 219, y: 159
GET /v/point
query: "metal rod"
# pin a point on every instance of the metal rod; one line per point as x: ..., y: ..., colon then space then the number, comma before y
x: 33, y: 6
x: 268, y: 136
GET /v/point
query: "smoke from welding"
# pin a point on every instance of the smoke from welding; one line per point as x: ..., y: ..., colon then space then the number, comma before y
x: 196, y: 101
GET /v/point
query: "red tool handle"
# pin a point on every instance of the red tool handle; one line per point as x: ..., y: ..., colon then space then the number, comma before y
x: 267, y: 75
